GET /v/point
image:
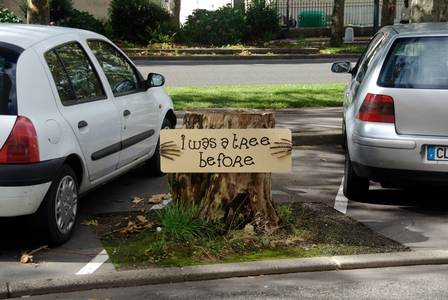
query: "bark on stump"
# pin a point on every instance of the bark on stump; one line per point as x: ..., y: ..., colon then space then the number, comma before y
x: 232, y: 199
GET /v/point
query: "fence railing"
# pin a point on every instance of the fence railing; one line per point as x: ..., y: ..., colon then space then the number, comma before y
x: 317, y: 13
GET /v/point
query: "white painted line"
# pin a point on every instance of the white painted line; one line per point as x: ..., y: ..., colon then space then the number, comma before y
x: 102, y: 257
x: 94, y: 264
x: 341, y: 202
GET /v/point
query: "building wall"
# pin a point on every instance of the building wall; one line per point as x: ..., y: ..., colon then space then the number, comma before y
x: 188, y: 6
x: 98, y: 8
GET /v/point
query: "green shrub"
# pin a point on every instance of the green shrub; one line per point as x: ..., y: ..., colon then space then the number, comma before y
x: 60, y: 10
x: 7, y: 16
x: 221, y: 27
x: 262, y: 21
x: 83, y: 20
x: 286, y: 214
x: 182, y: 223
x: 138, y: 20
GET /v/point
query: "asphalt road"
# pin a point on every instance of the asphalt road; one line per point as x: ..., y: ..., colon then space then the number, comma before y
x: 423, y: 282
x: 212, y: 73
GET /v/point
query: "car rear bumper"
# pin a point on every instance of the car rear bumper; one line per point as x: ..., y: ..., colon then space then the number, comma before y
x: 29, y: 174
x: 24, y: 200
x: 401, y: 177
x: 24, y: 186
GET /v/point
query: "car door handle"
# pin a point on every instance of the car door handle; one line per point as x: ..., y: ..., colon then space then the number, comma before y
x: 82, y: 124
x: 126, y: 113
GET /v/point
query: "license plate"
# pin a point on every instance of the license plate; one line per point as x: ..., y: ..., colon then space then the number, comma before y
x: 436, y: 153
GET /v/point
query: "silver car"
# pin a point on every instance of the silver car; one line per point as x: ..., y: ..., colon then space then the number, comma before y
x: 396, y: 110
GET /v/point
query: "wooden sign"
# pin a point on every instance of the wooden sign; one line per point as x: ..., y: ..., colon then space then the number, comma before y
x: 226, y: 150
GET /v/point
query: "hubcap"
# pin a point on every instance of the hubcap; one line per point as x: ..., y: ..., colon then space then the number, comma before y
x: 66, y: 206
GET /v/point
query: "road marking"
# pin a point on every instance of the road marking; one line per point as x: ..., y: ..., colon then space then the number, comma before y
x: 94, y: 264
x: 341, y: 202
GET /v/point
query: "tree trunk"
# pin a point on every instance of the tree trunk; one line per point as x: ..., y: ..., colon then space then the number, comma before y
x: 176, y: 13
x: 337, y: 26
x: 38, y: 12
x: 388, y: 12
x: 429, y: 11
x: 232, y: 199
x: 238, y: 4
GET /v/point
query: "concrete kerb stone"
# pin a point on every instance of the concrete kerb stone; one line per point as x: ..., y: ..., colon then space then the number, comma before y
x: 433, y: 257
x: 3, y: 290
x: 90, y: 282
x: 310, y: 57
x: 220, y: 271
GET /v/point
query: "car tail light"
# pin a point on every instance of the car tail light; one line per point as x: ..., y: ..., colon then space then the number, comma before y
x: 21, y: 147
x: 377, y: 108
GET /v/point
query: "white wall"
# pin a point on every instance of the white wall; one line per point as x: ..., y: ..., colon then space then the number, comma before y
x: 188, y: 6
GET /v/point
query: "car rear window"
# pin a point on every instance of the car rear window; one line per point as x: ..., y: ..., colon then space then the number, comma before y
x: 416, y: 63
x: 9, y: 55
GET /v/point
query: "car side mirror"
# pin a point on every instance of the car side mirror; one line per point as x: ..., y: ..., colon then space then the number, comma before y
x: 341, y: 67
x: 155, y: 80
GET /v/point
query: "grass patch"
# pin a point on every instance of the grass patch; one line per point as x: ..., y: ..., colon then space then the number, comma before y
x: 308, y: 230
x: 258, y: 96
x: 352, y: 49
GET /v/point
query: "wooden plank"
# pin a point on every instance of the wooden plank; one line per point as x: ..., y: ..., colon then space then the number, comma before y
x: 226, y: 150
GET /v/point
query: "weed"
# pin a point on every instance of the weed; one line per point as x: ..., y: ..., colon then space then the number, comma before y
x: 183, y: 223
x: 286, y: 215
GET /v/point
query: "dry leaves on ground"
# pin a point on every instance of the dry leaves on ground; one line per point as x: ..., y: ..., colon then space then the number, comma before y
x: 137, y: 200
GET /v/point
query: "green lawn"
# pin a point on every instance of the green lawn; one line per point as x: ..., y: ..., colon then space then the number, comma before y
x: 257, y: 96
x: 352, y: 49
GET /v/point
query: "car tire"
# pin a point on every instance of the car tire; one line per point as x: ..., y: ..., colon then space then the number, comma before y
x: 153, y: 165
x: 56, y: 218
x: 354, y: 187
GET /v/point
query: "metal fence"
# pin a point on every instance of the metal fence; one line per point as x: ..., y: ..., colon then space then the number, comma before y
x: 309, y: 13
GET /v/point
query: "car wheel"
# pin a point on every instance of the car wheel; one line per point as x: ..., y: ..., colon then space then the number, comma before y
x: 354, y: 187
x: 153, y: 165
x: 56, y: 217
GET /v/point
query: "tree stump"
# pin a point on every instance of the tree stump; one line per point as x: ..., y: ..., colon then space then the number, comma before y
x: 232, y: 199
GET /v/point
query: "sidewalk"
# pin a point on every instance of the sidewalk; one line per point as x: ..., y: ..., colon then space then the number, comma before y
x: 309, y: 126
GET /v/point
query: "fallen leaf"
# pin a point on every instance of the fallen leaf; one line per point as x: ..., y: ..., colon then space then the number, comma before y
x: 137, y: 200
x: 142, y: 219
x: 158, y: 198
x: 90, y: 223
x: 249, y: 229
x: 26, y: 259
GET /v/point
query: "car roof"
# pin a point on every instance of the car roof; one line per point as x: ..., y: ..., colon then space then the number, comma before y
x: 25, y: 36
x: 419, y: 29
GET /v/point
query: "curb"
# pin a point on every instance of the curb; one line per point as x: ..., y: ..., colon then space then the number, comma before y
x: 239, y: 57
x: 219, y: 271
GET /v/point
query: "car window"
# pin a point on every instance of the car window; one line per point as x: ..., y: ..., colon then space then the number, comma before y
x: 121, y: 75
x: 74, y: 75
x: 8, y: 91
x: 366, y: 59
x: 416, y: 63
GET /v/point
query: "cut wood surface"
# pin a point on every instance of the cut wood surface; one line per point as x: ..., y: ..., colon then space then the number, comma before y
x: 232, y: 199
